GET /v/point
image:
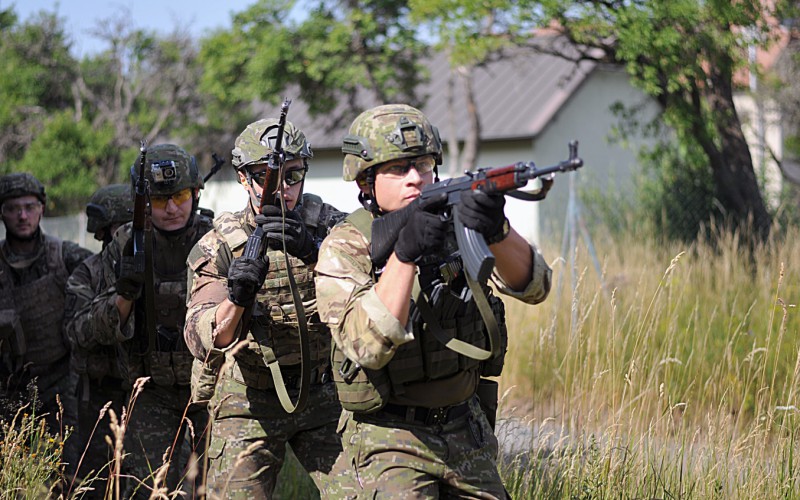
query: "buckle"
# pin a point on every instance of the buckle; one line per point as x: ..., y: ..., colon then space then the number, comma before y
x: 437, y: 416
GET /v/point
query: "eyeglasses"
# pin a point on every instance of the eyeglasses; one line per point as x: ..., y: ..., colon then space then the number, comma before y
x: 401, y: 167
x: 32, y: 208
x: 290, y: 177
x: 160, y: 202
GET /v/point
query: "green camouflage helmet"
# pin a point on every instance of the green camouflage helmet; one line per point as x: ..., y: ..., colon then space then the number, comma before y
x: 257, y: 141
x: 386, y: 133
x: 109, y: 205
x: 21, y: 184
x: 168, y: 169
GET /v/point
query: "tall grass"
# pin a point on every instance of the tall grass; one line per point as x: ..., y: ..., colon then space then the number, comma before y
x: 672, y: 375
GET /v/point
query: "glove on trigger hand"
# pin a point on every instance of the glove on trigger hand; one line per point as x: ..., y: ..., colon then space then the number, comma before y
x: 245, y: 277
x: 483, y: 212
x: 425, y: 231
x: 129, y: 283
x: 299, y: 242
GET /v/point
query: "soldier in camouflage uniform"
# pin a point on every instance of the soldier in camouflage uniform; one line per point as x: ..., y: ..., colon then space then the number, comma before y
x: 158, y: 416
x: 250, y: 429
x: 33, y: 271
x: 99, y: 381
x: 413, y: 426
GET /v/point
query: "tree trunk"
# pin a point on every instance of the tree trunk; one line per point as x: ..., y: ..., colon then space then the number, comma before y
x: 471, y: 143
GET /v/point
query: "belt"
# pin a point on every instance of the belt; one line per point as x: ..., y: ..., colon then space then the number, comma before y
x: 422, y: 415
x: 261, y: 378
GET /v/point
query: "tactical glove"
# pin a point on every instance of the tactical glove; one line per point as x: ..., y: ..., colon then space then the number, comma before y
x: 299, y: 241
x: 245, y: 277
x: 424, y: 232
x: 484, y: 213
x: 129, y: 283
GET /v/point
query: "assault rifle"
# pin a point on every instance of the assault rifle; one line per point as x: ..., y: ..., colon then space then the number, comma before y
x: 142, y: 234
x: 256, y: 248
x: 477, y: 258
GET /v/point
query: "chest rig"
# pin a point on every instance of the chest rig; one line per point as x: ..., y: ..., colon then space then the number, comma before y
x: 39, y: 307
x: 450, y: 336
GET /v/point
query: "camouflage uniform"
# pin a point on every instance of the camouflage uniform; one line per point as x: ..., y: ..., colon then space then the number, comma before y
x: 96, y: 365
x: 413, y: 426
x: 31, y: 312
x: 161, y: 413
x: 244, y: 406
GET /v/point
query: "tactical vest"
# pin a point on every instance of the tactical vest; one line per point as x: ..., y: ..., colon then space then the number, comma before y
x: 274, y: 316
x: 425, y: 358
x: 40, y: 308
x: 170, y: 363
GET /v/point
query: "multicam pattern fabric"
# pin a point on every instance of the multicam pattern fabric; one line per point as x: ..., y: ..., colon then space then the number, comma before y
x: 390, y: 455
x: 386, y: 133
x: 253, y: 145
x: 159, y: 409
x: 250, y: 428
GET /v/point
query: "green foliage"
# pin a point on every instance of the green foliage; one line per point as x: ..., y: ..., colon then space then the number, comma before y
x: 66, y: 157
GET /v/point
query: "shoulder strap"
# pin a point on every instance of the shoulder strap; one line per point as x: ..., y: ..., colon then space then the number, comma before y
x: 362, y: 220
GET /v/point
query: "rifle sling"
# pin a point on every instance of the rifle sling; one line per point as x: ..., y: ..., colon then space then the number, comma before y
x: 457, y: 345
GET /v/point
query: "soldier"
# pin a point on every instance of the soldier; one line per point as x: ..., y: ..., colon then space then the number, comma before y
x: 412, y: 424
x: 99, y: 381
x: 158, y: 412
x: 33, y: 271
x: 250, y: 429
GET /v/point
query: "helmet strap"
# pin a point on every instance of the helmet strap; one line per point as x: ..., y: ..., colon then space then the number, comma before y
x: 370, y: 201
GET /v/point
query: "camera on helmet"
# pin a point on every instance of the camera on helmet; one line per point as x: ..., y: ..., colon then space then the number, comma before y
x: 164, y: 172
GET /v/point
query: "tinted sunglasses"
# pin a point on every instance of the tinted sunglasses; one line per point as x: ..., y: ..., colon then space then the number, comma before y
x: 160, y: 201
x: 290, y: 177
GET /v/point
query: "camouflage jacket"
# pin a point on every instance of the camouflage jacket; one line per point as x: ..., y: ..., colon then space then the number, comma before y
x: 361, y: 325
x: 87, y: 356
x: 22, y: 270
x: 169, y: 270
x: 274, y: 309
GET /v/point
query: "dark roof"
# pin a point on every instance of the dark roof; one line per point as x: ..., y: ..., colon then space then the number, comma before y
x: 516, y: 97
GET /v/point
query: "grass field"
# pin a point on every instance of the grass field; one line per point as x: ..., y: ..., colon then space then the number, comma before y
x: 674, y: 373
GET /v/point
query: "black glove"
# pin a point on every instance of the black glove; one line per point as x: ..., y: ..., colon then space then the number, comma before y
x: 245, y: 277
x: 299, y: 241
x: 129, y: 283
x: 424, y: 232
x: 483, y: 212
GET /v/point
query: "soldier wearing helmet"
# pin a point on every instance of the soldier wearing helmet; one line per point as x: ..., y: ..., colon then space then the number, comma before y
x: 243, y: 395
x: 96, y: 365
x: 33, y: 271
x: 118, y: 317
x: 410, y: 398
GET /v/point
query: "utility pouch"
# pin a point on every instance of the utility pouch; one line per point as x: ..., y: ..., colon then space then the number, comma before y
x: 488, y: 397
x: 205, y: 375
x: 360, y: 390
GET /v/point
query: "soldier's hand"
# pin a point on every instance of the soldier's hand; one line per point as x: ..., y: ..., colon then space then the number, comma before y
x: 424, y: 232
x: 245, y: 277
x: 483, y: 212
x: 129, y: 283
x: 299, y: 241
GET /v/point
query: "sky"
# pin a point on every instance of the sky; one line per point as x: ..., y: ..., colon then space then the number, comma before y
x: 198, y: 16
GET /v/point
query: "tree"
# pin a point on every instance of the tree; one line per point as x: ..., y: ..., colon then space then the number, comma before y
x: 339, y: 50
x: 684, y: 53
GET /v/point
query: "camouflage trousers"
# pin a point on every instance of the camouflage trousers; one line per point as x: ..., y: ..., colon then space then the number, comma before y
x: 393, y: 458
x: 162, y: 417
x: 96, y: 454
x: 250, y: 432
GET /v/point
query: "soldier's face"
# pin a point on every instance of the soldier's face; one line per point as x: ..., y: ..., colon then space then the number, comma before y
x: 174, y: 214
x: 291, y: 192
x: 22, y: 215
x: 399, y: 182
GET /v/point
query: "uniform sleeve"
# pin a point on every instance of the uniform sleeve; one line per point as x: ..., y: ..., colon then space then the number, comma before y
x: 207, y: 288
x: 539, y: 286
x: 104, y: 315
x: 79, y: 293
x: 361, y: 325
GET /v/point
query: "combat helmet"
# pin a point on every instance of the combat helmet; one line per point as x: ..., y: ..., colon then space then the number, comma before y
x: 169, y: 169
x: 109, y: 205
x: 257, y: 141
x: 386, y: 133
x: 21, y: 184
